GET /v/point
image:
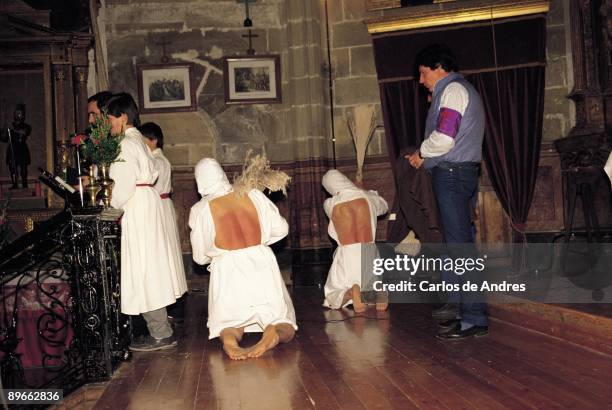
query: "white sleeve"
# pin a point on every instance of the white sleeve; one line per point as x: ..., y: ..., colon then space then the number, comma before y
x: 378, y: 203
x: 328, y: 207
x: 201, y: 234
x: 160, y: 166
x: 124, y: 172
x: 453, y: 103
x: 608, y: 167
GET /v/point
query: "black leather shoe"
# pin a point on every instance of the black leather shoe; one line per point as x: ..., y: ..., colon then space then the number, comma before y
x: 447, y: 312
x: 457, y: 333
x: 150, y: 344
x: 449, y: 325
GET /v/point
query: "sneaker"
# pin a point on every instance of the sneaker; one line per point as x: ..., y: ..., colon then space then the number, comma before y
x: 150, y: 344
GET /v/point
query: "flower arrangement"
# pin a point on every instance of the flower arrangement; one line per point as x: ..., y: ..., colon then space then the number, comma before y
x: 101, y: 147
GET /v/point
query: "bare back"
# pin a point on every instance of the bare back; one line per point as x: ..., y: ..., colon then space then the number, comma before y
x: 236, y: 222
x: 352, y: 222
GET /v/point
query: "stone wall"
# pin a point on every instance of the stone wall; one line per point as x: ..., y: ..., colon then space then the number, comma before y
x: 354, y: 73
x: 203, y: 32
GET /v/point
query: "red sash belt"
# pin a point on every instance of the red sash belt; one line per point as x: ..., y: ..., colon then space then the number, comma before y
x: 144, y: 185
x: 165, y: 196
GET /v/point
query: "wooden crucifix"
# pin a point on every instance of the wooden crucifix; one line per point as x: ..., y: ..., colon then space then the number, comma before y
x: 247, y: 20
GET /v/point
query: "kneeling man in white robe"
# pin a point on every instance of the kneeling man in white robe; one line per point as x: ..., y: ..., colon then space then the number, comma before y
x: 352, y: 213
x: 246, y: 291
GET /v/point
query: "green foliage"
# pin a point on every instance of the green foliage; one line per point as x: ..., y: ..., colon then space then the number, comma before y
x: 101, y: 147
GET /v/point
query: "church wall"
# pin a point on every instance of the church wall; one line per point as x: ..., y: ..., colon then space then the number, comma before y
x: 203, y: 32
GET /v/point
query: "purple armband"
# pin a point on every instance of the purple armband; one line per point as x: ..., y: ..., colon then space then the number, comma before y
x: 448, y: 122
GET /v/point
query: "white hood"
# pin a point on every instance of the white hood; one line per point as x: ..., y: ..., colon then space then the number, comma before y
x: 211, y: 179
x: 335, y: 182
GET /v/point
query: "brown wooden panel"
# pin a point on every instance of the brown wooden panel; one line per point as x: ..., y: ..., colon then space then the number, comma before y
x: 546, y: 212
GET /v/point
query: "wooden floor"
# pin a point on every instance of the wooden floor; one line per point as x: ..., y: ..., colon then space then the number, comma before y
x: 384, y: 361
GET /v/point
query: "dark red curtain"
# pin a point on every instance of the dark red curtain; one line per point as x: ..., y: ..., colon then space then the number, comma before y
x: 514, y: 106
x: 404, y: 106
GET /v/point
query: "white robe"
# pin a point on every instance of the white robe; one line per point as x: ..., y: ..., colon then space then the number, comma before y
x: 163, y: 185
x: 246, y: 287
x: 608, y: 167
x: 146, y: 276
x: 346, y: 267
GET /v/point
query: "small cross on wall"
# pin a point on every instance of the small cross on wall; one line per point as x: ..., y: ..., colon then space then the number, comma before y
x: 163, y: 43
x: 251, y: 36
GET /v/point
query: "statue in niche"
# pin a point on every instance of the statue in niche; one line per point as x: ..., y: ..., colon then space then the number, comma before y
x: 17, y: 152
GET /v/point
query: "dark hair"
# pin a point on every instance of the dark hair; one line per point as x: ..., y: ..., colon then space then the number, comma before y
x: 152, y: 131
x: 101, y: 99
x: 434, y: 56
x: 20, y: 107
x: 123, y: 103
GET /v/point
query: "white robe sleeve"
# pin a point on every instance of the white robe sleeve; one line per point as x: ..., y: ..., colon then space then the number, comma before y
x: 608, y: 167
x: 455, y: 97
x: 328, y: 207
x: 160, y: 166
x: 277, y: 225
x: 124, y: 172
x: 202, y: 232
x: 378, y: 203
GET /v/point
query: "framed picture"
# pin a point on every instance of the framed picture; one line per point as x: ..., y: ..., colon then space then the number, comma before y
x: 252, y: 80
x: 166, y: 88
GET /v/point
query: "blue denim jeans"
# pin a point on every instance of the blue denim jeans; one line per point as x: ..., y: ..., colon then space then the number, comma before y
x: 455, y: 186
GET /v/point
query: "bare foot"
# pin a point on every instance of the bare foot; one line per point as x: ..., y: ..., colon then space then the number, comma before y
x: 230, y: 338
x: 348, y: 295
x: 269, y: 339
x: 382, y: 301
x: 358, y: 305
x: 382, y: 306
x: 235, y: 352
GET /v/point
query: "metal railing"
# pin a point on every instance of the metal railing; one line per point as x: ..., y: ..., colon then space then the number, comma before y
x: 64, y: 275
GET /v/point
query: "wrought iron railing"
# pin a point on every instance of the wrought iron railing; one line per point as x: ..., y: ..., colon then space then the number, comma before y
x: 68, y: 270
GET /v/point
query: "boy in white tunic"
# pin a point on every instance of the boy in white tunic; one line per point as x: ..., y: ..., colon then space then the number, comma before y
x: 147, y: 282
x: 352, y: 213
x: 154, y: 139
x: 246, y: 291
